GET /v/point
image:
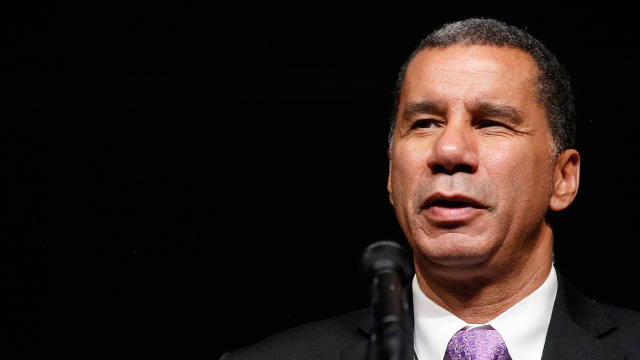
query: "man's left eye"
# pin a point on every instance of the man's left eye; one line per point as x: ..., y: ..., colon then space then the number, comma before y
x: 485, y: 123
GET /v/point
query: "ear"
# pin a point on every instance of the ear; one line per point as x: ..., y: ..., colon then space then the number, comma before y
x: 566, y: 178
x: 389, y: 187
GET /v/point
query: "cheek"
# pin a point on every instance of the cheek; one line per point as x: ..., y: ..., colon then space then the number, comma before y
x: 408, y: 165
x: 408, y: 170
x: 522, y: 177
x: 505, y: 164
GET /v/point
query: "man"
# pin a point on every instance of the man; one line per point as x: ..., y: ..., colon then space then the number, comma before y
x: 480, y: 153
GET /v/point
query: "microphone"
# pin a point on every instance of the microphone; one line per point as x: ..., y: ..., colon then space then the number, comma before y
x: 387, y: 268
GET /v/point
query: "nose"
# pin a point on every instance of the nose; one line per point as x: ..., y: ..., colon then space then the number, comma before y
x: 455, y: 150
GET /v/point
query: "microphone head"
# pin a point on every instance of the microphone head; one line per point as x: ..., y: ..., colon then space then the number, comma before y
x: 383, y: 256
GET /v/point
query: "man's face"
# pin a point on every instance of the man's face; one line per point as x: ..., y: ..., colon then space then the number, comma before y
x: 472, y: 156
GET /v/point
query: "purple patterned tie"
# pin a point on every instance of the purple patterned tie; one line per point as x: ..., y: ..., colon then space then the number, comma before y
x: 480, y: 343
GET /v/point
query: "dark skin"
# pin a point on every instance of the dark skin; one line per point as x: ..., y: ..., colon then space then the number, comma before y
x: 473, y: 171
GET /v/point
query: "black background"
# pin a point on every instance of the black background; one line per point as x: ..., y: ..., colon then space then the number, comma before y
x: 189, y: 177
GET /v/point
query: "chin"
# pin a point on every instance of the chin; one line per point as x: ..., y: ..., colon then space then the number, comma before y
x: 459, y: 261
x: 455, y: 251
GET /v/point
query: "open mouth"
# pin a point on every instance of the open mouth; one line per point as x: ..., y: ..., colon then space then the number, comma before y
x: 451, y: 210
x: 452, y: 202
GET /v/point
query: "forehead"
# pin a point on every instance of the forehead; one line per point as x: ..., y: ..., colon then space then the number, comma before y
x: 468, y: 73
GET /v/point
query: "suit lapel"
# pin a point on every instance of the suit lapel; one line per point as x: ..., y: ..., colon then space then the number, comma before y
x: 576, y: 327
x: 356, y: 352
x: 359, y: 350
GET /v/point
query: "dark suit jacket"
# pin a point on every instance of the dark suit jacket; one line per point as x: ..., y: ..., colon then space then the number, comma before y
x: 580, y: 328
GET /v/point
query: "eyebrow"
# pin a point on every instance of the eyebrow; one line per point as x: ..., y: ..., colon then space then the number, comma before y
x: 423, y: 107
x: 485, y: 109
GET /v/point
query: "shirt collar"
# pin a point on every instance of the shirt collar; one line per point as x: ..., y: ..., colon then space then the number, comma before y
x: 524, y: 337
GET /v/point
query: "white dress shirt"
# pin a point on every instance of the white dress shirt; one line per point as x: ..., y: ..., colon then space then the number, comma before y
x: 523, y: 326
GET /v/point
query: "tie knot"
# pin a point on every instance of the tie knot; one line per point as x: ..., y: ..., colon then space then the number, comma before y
x: 480, y: 343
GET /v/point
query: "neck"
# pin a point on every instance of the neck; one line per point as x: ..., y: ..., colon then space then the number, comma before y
x: 477, y: 295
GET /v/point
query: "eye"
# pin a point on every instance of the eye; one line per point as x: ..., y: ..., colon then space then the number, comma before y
x: 487, y: 123
x: 424, y: 124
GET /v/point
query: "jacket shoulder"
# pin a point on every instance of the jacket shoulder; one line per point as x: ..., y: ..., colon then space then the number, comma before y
x: 583, y: 328
x: 626, y: 333
x: 324, y: 339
